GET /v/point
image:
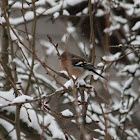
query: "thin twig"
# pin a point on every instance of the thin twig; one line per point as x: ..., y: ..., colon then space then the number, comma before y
x: 17, y: 121
x: 105, y: 119
x: 38, y: 99
x: 33, y: 48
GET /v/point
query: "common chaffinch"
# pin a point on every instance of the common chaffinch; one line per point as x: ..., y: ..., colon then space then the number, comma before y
x: 77, y: 66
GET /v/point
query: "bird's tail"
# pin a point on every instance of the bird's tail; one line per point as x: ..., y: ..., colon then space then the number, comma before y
x: 99, y: 74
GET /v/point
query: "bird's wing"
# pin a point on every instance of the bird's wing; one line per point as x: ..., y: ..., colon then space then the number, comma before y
x: 87, y: 66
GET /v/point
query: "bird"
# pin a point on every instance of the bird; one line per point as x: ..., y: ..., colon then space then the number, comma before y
x: 77, y: 66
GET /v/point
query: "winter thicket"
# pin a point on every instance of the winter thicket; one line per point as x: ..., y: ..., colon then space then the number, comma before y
x: 38, y: 100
